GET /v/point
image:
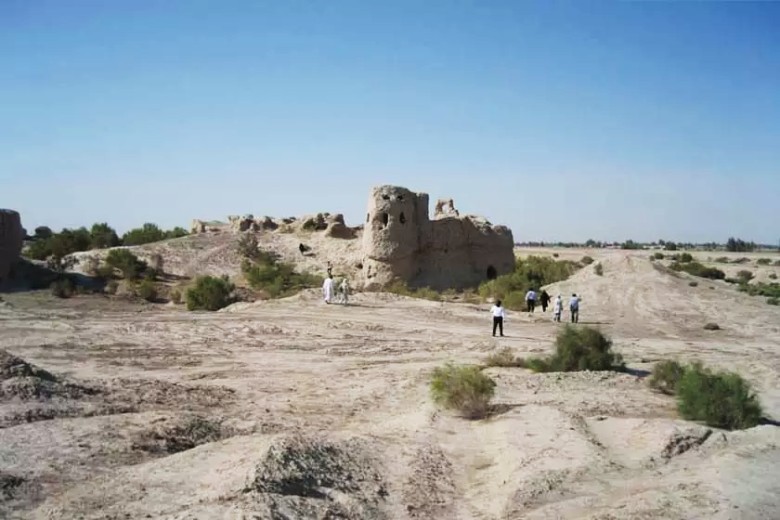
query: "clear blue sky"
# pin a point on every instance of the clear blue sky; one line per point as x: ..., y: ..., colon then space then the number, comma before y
x: 564, y: 120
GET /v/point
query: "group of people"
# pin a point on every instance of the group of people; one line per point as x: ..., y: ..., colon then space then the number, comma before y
x: 499, y: 314
x: 335, y: 294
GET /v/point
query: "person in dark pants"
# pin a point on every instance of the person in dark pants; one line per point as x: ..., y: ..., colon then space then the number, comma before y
x: 544, y: 299
x: 498, y: 317
x: 574, y: 308
x: 530, y: 300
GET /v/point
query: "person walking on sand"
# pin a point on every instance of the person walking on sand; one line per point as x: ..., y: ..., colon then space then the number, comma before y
x: 574, y: 308
x: 530, y: 300
x: 557, y: 308
x: 327, y: 289
x: 498, y: 317
x: 544, y: 299
x: 344, y: 292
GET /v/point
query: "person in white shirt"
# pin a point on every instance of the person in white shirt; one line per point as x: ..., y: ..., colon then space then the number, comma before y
x: 557, y: 308
x: 327, y: 289
x: 574, y: 308
x: 498, y: 317
x: 530, y: 300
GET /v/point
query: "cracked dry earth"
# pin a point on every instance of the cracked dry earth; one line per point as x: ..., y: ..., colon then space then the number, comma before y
x: 293, y: 409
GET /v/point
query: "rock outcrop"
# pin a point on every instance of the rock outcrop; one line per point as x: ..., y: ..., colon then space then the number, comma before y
x: 400, y: 242
x: 11, y: 240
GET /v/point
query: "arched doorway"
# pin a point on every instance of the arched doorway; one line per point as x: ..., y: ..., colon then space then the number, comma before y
x: 491, y: 273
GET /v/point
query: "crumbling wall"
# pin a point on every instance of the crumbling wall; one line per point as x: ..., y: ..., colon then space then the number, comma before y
x: 11, y: 240
x: 400, y: 242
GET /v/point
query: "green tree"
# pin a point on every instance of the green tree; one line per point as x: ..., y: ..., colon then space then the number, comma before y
x: 102, y: 236
x: 146, y: 234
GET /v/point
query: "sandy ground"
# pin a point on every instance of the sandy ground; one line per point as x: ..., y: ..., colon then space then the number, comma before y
x: 296, y: 409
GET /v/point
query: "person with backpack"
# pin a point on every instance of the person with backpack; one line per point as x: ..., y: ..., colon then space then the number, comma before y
x: 574, y: 308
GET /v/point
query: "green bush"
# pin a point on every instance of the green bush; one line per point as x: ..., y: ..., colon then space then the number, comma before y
x: 721, y: 400
x: 598, y: 269
x: 670, y: 246
x: 276, y: 279
x: 658, y: 256
x: 579, y: 348
x: 176, y: 232
x: 771, y: 290
x: 209, y: 293
x: 248, y: 247
x: 630, y: 244
x: 147, y: 290
x: 533, y: 271
x: 666, y: 376
x: 772, y: 276
x: 745, y: 276
x: 515, y: 301
x: 697, y: 269
x: 711, y: 326
x: 125, y: 261
x: 586, y: 260
x: 62, y: 288
x: 102, y: 236
x: 503, y: 358
x: 773, y: 301
x: 146, y: 234
x: 175, y: 296
x: 686, y: 258
x: 722, y: 260
x: 764, y: 261
x: 60, y: 245
x: 463, y: 388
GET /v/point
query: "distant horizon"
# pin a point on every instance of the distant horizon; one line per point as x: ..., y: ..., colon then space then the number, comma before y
x: 574, y: 120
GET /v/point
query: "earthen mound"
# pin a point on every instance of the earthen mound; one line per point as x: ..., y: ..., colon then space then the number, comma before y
x: 317, y: 478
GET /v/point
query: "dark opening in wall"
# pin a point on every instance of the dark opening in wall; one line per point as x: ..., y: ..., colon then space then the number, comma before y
x: 368, y: 217
x: 491, y: 273
x: 402, y: 218
x: 385, y: 218
x: 385, y: 197
x: 400, y: 197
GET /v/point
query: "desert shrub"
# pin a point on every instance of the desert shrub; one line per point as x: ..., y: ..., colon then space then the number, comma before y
x: 515, y: 301
x: 42, y: 233
x: 579, y: 348
x: 732, y: 280
x: 112, y: 286
x: 425, y: 293
x: 209, y: 293
x: 666, y: 376
x: 126, y: 262
x: 147, y: 290
x: 772, y: 276
x: 630, y: 244
x: 176, y: 232
x: 146, y: 234
x: 463, y: 388
x: 693, y: 283
x: 62, y: 288
x: 598, y: 269
x: 771, y: 290
x: 722, y: 260
x: 533, y: 271
x: 741, y: 260
x: 773, y: 301
x: 555, y: 255
x: 720, y: 400
x: 658, y: 256
x: 745, y: 276
x: 686, y: 258
x: 670, y: 246
x: 102, y: 236
x: 697, y: 269
x: 586, y: 260
x: 277, y: 279
x: 248, y: 247
x: 711, y: 326
x: 503, y: 358
x: 764, y: 261
x: 777, y: 263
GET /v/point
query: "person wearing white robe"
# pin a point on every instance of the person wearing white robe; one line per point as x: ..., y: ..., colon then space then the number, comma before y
x: 557, y: 308
x: 327, y: 289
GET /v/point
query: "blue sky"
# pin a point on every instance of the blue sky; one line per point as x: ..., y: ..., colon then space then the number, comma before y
x: 563, y: 120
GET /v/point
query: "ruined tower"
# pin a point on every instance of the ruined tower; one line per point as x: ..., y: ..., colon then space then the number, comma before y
x: 400, y: 242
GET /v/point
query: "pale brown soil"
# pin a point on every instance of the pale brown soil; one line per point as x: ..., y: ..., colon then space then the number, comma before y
x: 296, y: 409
